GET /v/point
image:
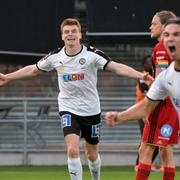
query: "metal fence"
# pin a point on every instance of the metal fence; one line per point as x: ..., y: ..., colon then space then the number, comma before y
x: 33, y: 125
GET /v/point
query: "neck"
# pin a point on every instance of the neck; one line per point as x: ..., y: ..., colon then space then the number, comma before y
x: 159, y: 38
x: 72, y: 50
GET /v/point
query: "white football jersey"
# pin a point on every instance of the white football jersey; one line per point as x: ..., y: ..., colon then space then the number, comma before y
x: 167, y: 84
x: 77, y: 79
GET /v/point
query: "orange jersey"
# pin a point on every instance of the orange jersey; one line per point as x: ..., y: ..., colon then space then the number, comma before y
x: 141, y: 88
x: 139, y: 94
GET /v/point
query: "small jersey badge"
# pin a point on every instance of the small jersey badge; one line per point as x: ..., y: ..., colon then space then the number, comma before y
x: 166, y: 130
x: 66, y: 120
x: 95, y: 131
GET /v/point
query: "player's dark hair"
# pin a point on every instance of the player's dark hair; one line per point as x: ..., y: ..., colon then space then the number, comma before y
x: 148, y: 60
x: 173, y: 21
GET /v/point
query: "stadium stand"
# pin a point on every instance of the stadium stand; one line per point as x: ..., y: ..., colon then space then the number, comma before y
x: 116, y: 93
x: 29, y: 120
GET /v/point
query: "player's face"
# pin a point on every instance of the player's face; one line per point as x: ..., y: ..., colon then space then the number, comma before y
x: 71, y: 35
x: 156, y: 28
x: 171, y: 37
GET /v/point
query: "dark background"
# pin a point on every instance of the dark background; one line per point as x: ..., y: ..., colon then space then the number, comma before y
x: 125, y: 15
x: 32, y: 25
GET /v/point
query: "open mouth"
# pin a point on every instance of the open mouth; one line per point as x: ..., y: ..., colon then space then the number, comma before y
x: 172, y: 48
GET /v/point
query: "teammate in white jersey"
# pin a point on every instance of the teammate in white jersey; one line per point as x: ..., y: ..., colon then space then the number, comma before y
x: 79, y: 105
x: 166, y: 84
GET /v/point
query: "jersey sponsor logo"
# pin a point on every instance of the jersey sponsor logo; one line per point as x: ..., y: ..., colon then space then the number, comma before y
x: 170, y: 83
x: 160, y: 58
x: 176, y: 101
x: 82, y: 61
x: 160, y: 52
x: 73, y: 173
x: 73, y: 77
x: 96, y: 130
x: 66, y: 120
x: 166, y: 130
x: 61, y: 67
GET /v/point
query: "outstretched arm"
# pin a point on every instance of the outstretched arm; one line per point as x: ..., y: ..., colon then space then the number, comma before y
x: 124, y: 70
x: 137, y: 111
x: 27, y: 71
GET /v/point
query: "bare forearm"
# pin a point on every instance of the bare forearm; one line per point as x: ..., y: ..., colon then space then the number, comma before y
x: 27, y: 71
x: 124, y: 70
x: 129, y: 72
x: 138, y: 111
x: 135, y: 112
x: 131, y: 114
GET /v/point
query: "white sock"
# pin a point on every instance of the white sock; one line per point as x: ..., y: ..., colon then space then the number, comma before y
x: 75, y: 168
x: 95, y: 168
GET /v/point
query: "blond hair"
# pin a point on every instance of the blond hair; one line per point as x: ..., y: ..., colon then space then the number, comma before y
x: 164, y: 16
x: 70, y: 21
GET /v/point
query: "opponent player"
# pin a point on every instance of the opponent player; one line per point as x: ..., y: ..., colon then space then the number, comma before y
x: 142, y: 87
x: 166, y: 84
x: 78, y: 100
x: 163, y: 114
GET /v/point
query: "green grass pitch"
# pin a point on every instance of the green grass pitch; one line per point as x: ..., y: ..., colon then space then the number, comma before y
x: 60, y: 173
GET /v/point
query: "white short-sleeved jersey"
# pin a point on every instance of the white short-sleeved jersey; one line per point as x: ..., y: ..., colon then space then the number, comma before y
x: 77, y: 79
x: 167, y: 84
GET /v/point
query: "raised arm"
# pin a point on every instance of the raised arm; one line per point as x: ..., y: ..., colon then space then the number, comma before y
x: 27, y: 71
x: 124, y: 70
x: 135, y: 112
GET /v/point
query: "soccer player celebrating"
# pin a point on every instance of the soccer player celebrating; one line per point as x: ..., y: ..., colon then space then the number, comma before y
x: 166, y: 84
x: 164, y: 114
x: 78, y: 100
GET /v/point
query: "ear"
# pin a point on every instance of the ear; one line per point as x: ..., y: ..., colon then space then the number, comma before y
x: 80, y: 36
x: 62, y: 37
x: 163, y: 27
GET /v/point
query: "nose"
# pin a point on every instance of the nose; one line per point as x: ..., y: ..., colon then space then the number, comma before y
x: 170, y: 38
x: 69, y: 34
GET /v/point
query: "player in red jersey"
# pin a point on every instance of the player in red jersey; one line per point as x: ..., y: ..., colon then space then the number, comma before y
x: 166, y: 84
x: 141, y: 89
x: 155, y: 132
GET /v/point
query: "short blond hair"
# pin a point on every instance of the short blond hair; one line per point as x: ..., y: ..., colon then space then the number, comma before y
x: 164, y: 16
x: 70, y: 21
